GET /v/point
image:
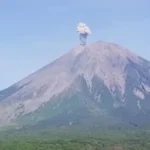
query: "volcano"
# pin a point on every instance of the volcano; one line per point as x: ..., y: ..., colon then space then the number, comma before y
x: 100, y: 84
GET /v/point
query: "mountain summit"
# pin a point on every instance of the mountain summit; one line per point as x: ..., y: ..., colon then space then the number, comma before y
x: 98, y: 82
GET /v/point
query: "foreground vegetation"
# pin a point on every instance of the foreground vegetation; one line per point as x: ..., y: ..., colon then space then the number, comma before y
x: 76, y: 139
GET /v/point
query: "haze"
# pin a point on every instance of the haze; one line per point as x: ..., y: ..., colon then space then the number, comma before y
x: 35, y: 32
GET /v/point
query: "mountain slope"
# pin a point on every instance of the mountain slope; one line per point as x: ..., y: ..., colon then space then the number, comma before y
x: 101, y: 82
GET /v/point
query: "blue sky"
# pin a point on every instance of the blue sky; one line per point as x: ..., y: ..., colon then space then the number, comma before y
x: 35, y: 32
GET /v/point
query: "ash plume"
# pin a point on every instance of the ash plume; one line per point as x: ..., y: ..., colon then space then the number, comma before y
x: 83, y: 31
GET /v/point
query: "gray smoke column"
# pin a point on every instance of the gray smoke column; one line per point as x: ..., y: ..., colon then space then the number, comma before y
x: 83, y: 31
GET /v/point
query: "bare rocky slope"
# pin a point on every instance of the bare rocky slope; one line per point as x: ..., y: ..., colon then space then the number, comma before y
x: 102, y: 82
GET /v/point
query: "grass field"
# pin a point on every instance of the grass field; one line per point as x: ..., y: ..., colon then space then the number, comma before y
x: 76, y: 139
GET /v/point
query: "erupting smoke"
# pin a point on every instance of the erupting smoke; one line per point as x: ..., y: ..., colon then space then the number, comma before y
x: 83, y: 31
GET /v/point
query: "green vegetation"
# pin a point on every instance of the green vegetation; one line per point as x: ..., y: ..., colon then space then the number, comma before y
x: 72, y: 138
